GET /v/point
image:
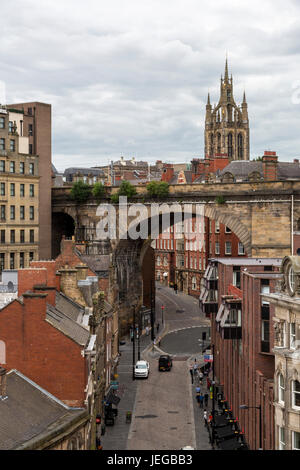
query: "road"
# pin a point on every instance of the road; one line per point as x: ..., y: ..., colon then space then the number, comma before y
x: 165, y: 412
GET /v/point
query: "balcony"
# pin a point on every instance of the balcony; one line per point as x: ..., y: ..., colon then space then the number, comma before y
x: 229, y: 318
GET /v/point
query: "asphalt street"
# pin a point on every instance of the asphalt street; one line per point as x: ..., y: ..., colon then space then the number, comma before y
x: 165, y: 412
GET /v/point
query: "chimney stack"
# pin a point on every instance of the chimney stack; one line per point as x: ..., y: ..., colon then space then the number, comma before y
x: 270, y: 161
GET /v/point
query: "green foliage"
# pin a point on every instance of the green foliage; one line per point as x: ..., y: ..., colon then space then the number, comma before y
x: 220, y: 200
x: 114, y: 198
x: 80, y: 192
x: 258, y: 159
x: 126, y: 189
x: 98, y: 190
x: 158, y: 189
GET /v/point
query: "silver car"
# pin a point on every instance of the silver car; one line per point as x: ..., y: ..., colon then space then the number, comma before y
x: 142, y: 369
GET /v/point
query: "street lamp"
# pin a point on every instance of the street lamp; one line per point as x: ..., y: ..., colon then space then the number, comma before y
x: 246, y: 407
x: 162, y: 314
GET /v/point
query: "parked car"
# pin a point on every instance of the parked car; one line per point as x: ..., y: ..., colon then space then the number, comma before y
x: 164, y: 362
x: 142, y: 369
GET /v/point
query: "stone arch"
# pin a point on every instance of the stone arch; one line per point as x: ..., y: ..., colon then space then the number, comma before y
x: 228, y: 177
x: 254, y: 176
x: 232, y: 222
x: 62, y: 224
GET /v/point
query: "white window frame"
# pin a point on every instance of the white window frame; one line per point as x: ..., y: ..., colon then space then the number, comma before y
x: 292, y: 335
x: 281, y: 438
x: 227, y: 244
x: 217, y: 245
x: 194, y: 283
x: 281, y: 389
x: 241, y: 251
x: 227, y: 230
x: 217, y: 227
x: 293, y: 440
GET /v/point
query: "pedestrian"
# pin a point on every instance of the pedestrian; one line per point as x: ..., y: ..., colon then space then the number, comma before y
x: 208, y: 383
x: 147, y: 330
x: 154, y: 341
x: 200, y: 377
x: 205, y: 417
x: 201, y: 398
x: 195, y: 368
x: 175, y: 288
x: 157, y: 327
x: 198, y: 390
x: 192, y: 374
x: 206, y: 399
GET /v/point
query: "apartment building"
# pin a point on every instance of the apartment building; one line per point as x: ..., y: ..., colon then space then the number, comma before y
x: 182, y: 259
x: 35, y: 130
x: 242, y: 341
x: 19, y: 193
x: 286, y: 302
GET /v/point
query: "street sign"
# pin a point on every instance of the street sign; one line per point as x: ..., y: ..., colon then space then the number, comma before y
x: 208, y: 358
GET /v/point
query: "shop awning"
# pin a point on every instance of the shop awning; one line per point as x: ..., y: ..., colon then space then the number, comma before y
x: 232, y: 444
x: 220, y: 312
x: 225, y: 315
x: 225, y: 432
x: 221, y: 421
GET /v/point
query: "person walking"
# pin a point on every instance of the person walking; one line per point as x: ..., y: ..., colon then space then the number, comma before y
x: 206, y: 399
x: 175, y: 288
x: 208, y: 383
x: 201, y: 398
x: 195, y: 368
x: 205, y: 417
x: 192, y: 373
x: 198, y: 390
x: 157, y: 327
x: 147, y: 330
x: 200, y: 377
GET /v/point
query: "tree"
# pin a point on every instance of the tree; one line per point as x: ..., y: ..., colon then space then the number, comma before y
x: 158, y: 189
x: 80, y: 192
x: 126, y: 189
x: 98, y: 190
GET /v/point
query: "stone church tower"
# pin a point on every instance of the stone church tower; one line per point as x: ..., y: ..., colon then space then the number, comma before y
x: 227, y: 125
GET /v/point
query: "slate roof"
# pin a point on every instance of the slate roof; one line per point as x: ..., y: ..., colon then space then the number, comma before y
x: 67, y: 325
x: 97, y: 263
x: 30, y: 411
x: 242, y: 169
x: 69, y: 307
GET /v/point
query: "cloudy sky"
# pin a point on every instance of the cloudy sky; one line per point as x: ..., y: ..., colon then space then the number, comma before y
x: 131, y: 77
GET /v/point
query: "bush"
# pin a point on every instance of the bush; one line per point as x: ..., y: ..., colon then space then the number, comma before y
x: 220, y: 200
x: 126, y: 189
x: 80, y: 192
x: 158, y: 189
x: 98, y: 190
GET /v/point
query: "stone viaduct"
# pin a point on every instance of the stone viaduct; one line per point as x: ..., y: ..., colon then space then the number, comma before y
x: 264, y: 215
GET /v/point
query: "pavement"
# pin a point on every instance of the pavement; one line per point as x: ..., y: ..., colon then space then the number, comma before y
x: 165, y: 413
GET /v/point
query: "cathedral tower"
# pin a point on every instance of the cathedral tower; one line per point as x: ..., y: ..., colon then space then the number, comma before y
x: 227, y: 124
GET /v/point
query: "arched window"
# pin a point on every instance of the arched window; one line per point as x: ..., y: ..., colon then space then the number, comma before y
x: 296, y: 394
x: 211, y: 144
x: 2, y: 353
x: 281, y: 388
x: 158, y: 261
x: 165, y: 261
x: 219, y: 143
x: 229, y: 113
x: 240, y: 146
x: 230, y: 148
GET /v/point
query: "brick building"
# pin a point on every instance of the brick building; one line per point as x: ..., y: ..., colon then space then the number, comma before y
x: 183, y: 260
x: 242, y: 340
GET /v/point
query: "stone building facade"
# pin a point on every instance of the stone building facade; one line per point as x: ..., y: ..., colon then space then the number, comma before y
x: 19, y: 194
x: 286, y: 302
x: 227, y: 124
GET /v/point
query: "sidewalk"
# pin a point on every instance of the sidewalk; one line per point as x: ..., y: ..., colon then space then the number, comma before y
x: 202, y: 435
x: 115, y: 437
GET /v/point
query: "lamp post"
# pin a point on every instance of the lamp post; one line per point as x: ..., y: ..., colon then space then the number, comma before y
x: 246, y: 407
x: 162, y: 314
x: 133, y: 346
